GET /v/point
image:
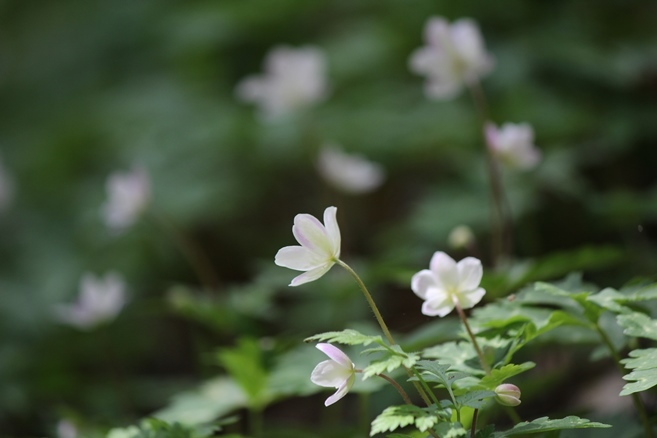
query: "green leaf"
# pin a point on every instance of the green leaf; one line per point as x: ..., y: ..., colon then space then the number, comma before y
x: 396, y: 358
x: 459, y: 355
x: 644, y: 374
x: 639, y: 325
x: 450, y: 430
x: 394, y: 417
x: 434, y: 371
x: 475, y: 399
x: 544, y: 424
x: 611, y: 300
x: 244, y: 364
x: 346, y: 337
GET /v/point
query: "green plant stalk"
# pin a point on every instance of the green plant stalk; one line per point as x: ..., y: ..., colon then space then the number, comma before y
x: 255, y: 422
x: 480, y: 354
x: 473, y: 426
x: 638, y: 403
x: 398, y: 387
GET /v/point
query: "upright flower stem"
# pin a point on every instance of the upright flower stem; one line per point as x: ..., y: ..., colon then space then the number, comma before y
x: 464, y: 319
x: 638, y: 403
x: 398, y: 387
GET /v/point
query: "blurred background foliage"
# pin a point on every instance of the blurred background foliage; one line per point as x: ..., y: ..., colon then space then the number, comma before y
x: 91, y: 87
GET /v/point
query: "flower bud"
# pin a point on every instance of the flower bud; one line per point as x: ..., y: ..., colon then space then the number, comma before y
x: 508, y: 394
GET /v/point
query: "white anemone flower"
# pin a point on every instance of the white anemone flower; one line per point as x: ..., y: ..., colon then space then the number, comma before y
x: 454, y: 54
x: 338, y: 372
x: 513, y: 145
x: 351, y: 173
x: 319, y: 250
x: 128, y: 194
x: 447, y: 283
x: 100, y: 300
x: 293, y: 79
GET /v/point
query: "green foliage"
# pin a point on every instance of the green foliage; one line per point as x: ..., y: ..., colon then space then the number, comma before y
x: 347, y: 337
x: 643, y: 364
x: 244, y: 363
x: 638, y: 325
x: 475, y: 399
x: 544, y: 424
x: 394, y: 358
x: 500, y: 375
x: 395, y: 417
x: 154, y: 428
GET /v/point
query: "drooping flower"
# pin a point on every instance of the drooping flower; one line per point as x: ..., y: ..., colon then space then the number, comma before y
x: 293, y: 79
x: 507, y: 394
x: 337, y: 372
x: 350, y: 173
x: 128, y: 194
x: 513, y: 144
x: 319, y: 250
x: 447, y: 283
x: 454, y: 55
x: 100, y: 300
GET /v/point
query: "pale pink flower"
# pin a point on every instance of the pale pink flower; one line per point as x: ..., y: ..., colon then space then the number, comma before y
x: 338, y: 372
x: 454, y: 55
x: 351, y: 173
x: 447, y: 283
x: 513, y: 144
x: 319, y: 250
x: 293, y: 79
x: 128, y: 194
x: 507, y: 394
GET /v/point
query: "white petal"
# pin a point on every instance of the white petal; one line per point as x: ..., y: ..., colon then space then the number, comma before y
x: 298, y: 258
x: 341, y: 392
x: 470, y: 273
x: 310, y: 233
x: 471, y: 298
x: 436, y: 31
x: 332, y: 229
x: 444, y: 268
x: 335, y: 354
x: 330, y: 374
x: 311, y: 275
x: 439, y: 306
x: 424, y: 284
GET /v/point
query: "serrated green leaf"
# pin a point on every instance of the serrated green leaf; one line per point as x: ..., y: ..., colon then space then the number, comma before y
x: 394, y: 417
x: 611, y: 300
x: 434, y: 371
x: 451, y: 430
x: 244, y: 364
x: 638, y: 324
x: 389, y: 364
x: 544, y: 424
x: 459, y: 355
x: 346, y: 337
x: 500, y: 375
x: 475, y: 399
x: 644, y: 374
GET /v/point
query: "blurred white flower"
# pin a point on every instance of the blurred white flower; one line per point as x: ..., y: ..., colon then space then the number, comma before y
x: 513, y: 144
x: 350, y: 173
x: 446, y: 283
x: 100, y: 300
x: 319, y: 250
x: 293, y: 79
x: 6, y: 188
x: 128, y: 194
x: 460, y: 237
x: 454, y: 55
x: 66, y: 429
x: 507, y: 394
x: 337, y: 372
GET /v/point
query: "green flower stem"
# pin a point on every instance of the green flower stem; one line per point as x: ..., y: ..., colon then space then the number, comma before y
x: 638, y: 403
x: 464, y: 319
x: 398, y: 387
x: 473, y: 427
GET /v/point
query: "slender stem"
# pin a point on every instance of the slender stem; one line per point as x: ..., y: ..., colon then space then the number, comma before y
x: 370, y: 301
x: 638, y: 403
x: 398, y: 387
x: 464, y: 319
x: 255, y: 422
x: 196, y: 258
x: 473, y: 427
x: 513, y: 415
x: 425, y: 386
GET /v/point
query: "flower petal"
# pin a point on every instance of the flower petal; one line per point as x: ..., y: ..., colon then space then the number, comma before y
x: 298, y: 258
x: 335, y: 354
x: 311, y: 275
x: 424, y: 283
x: 310, y: 233
x: 440, y: 306
x: 341, y: 392
x: 470, y: 273
x: 445, y: 270
x: 471, y: 298
x: 332, y: 230
x: 330, y: 374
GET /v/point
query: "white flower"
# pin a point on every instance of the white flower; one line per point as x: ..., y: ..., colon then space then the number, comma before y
x: 513, y: 144
x: 66, y: 429
x: 319, y: 250
x: 446, y: 283
x: 100, y: 300
x: 461, y: 237
x: 293, y: 79
x: 337, y: 372
x: 454, y: 55
x: 349, y: 172
x: 128, y: 194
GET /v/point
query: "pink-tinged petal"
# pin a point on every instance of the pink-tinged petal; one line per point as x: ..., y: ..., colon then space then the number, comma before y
x: 491, y: 134
x: 329, y: 374
x: 341, y: 392
x: 438, y: 306
x: 444, y: 268
x: 470, y: 272
x: 335, y: 354
x: 311, y: 275
x: 298, y: 258
x: 333, y: 230
x: 310, y: 233
x: 424, y: 284
x: 471, y: 298
x: 436, y: 32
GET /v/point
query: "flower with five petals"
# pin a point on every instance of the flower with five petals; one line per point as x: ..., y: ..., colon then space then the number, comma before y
x: 447, y: 283
x: 513, y: 144
x: 337, y: 372
x: 319, y: 250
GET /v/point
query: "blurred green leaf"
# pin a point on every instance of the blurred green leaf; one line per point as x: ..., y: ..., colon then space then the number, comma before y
x: 643, y: 364
x: 544, y: 424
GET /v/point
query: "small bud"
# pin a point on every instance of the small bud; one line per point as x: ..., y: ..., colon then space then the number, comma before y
x: 460, y: 237
x: 508, y: 394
